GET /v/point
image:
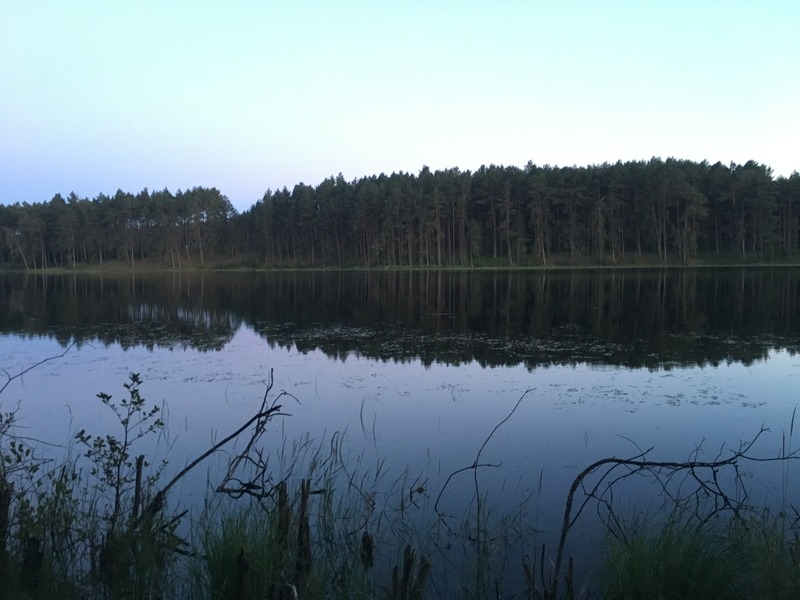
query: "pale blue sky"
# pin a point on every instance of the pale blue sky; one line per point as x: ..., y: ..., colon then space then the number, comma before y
x: 245, y: 96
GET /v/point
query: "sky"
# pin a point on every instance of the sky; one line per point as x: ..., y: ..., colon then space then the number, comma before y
x: 247, y: 96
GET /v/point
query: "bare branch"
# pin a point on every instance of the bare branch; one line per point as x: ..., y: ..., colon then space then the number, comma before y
x: 704, y: 474
x: 260, y: 419
x: 476, y: 465
x: 10, y: 378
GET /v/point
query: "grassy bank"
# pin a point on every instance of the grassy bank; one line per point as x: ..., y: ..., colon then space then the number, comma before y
x: 556, y: 261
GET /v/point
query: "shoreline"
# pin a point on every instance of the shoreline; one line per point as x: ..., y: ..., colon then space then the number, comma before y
x: 124, y: 269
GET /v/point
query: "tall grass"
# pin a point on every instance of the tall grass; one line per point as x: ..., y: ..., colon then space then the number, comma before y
x: 678, y: 555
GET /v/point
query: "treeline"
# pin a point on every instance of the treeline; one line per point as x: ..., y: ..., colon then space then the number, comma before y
x: 668, y: 211
x: 172, y: 228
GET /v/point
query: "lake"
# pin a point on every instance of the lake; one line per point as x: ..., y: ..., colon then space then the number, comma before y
x: 413, y: 370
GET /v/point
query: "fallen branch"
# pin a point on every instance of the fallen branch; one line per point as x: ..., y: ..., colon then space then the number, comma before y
x: 260, y: 419
x: 703, y: 473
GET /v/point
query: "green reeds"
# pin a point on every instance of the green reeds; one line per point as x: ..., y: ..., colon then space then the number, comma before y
x: 332, y: 534
x: 681, y: 556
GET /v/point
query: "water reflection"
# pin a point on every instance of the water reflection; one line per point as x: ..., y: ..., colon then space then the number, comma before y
x: 399, y: 401
x: 647, y: 318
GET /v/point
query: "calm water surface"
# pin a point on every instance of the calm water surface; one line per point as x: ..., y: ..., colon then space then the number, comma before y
x: 417, y: 368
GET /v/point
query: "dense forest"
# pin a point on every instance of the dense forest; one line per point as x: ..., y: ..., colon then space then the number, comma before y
x: 652, y: 211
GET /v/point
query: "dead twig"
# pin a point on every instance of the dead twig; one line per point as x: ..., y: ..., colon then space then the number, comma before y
x: 475, y: 466
x: 260, y: 419
x: 10, y: 378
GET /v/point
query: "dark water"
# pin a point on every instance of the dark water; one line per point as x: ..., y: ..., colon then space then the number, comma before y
x: 413, y: 370
x: 657, y: 318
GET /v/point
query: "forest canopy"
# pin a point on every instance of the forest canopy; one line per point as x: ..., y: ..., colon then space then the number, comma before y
x: 657, y: 210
